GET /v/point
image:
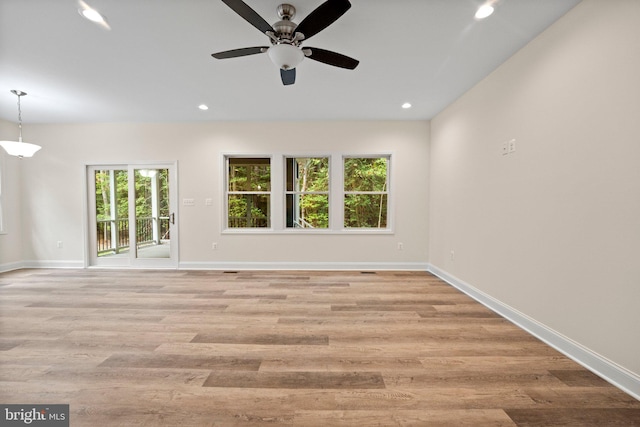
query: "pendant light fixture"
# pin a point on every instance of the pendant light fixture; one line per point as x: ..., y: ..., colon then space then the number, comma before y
x: 486, y: 10
x: 19, y: 148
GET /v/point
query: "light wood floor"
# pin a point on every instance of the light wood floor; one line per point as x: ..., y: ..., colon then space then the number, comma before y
x: 186, y: 348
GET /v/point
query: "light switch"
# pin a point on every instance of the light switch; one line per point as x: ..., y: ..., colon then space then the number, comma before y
x: 188, y: 202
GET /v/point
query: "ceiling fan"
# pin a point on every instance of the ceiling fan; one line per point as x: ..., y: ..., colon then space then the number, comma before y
x: 286, y: 37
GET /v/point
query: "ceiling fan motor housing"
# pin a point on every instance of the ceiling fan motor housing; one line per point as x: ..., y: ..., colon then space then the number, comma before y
x: 285, y: 29
x: 286, y: 11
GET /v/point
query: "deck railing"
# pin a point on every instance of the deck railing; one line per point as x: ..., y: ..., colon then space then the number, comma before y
x: 113, y: 235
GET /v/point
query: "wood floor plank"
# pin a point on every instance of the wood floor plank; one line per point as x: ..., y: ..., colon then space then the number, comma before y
x: 584, y: 417
x: 173, y: 361
x: 299, y: 348
x: 457, y: 418
x: 296, y: 380
x: 267, y: 339
x: 579, y: 378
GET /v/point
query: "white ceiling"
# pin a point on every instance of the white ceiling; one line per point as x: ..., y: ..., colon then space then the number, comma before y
x: 155, y: 63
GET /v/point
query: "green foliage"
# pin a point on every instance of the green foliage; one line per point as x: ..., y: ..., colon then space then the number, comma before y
x: 142, y: 191
x: 247, y: 176
x: 365, y: 175
x: 309, y: 179
x: 250, y: 177
x: 365, y: 210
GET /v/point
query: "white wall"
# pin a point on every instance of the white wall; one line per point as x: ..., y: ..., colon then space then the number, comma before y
x: 53, y: 207
x: 11, y: 238
x: 553, y: 229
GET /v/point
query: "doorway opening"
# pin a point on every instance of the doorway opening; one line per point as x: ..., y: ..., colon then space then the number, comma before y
x: 132, y: 215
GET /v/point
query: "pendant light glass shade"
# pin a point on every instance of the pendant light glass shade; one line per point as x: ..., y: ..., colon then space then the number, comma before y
x: 285, y: 56
x: 19, y: 148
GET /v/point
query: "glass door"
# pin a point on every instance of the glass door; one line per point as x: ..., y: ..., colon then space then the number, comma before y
x: 132, y: 216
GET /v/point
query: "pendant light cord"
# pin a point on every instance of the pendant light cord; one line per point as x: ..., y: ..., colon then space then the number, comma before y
x: 19, y: 119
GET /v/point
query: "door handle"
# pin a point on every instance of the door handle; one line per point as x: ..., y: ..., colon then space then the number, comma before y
x: 173, y: 218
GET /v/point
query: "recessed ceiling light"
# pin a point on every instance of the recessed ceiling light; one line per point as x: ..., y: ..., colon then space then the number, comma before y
x: 203, y: 107
x: 92, y: 15
x: 485, y: 11
x: 406, y: 105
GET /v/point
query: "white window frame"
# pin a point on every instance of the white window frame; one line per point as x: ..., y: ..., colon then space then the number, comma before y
x: 278, y: 214
x: 295, y: 192
x: 388, y: 192
x: 227, y: 193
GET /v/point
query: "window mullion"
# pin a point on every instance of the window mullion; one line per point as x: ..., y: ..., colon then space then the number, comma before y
x: 277, y: 196
x: 336, y: 193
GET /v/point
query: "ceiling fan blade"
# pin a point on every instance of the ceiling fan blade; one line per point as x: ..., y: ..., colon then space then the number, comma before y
x: 240, y: 52
x: 323, y: 16
x: 250, y: 15
x: 332, y: 58
x: 288, y: 76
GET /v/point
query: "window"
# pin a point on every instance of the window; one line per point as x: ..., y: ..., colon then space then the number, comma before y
x: 307, y: 192
x: 328, y: 193
x: 248, y: 192
x: 366, y: 192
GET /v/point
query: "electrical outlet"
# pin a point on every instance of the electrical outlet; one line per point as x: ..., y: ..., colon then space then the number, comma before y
x: 188, y: 202
x: 214, y: 246
x: 400, y: 246
x: 208, y: 202
x: 505, y: 148
x: 453, y: 255
x: 59, y: 244
x: 512, y: 146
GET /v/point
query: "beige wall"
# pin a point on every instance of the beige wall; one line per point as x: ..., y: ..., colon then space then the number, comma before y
x: 553, y: 229
x: 10, y: 239
x: 53, y: 205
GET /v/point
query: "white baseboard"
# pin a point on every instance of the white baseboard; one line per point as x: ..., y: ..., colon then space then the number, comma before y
x: 232, y: 265
x: 324, y: 266
x: 601, y: 366
x: 10, y: 266
x: 53, y: 264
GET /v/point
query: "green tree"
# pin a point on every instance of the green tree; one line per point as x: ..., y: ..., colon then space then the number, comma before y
x: 365, y: 185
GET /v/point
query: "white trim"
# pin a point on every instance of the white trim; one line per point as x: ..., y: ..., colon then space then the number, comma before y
x: 389, y: 182
x: 323, y: 231
x: 278, y: 192
x: 295, y: 192
x: 53, y: 264
x: 324, y: 266
x: 90, y: 259
x: 238, y: 265
x: 11, y: 266
x: 601, y: 366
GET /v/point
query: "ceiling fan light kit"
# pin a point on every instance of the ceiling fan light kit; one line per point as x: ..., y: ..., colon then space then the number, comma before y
x: 285, y: 56
x: 19, y: 148
x: 286, y: 37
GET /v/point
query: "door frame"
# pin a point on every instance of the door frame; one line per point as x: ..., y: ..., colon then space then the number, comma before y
x: 131, y: 261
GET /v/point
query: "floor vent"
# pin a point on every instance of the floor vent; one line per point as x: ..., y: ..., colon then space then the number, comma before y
x: 367, y: 272
x: 230, y: 272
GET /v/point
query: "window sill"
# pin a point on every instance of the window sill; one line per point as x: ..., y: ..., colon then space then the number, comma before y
x: 308, y: 232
